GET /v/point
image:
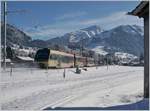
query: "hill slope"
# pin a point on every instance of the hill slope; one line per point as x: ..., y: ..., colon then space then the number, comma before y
x: 15, y: 36
x: 125, y: 38
x: 77, y: 36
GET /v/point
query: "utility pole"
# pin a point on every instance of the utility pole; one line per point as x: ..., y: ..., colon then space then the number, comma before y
x: 5, y: 13
x: 5, y: 32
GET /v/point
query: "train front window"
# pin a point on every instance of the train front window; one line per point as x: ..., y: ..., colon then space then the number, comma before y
x: 42, y: 55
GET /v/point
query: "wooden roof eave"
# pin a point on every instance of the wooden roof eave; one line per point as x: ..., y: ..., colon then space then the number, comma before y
x: 140, y: 10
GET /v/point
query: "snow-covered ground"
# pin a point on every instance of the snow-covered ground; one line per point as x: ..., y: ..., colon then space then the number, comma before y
x: 122, y: 55
x: 28, y: 88
x: 100, y: 50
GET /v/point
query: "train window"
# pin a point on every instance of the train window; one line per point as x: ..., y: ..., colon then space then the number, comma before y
x: 54, y: 57
x: 42, y: 55
x: 71, y: 59
x: 62, y: 58
x: 66, y: 59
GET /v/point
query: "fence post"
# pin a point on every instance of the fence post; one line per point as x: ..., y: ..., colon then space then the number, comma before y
x: 64, y: 73
x: 11, y: 65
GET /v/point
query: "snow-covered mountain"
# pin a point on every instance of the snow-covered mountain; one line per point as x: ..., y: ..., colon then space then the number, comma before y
x: 85, y: 34
x: 124, y: 38
x: 16, y: 37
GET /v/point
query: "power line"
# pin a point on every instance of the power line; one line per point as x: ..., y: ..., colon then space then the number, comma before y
x: 5, y: 13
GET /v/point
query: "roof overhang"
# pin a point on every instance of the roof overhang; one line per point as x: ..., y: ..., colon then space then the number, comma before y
x: 141, y: 10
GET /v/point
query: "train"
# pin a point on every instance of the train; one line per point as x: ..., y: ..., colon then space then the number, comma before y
x: 48, y: 58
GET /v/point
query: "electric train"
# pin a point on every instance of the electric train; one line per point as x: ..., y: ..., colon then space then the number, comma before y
x: 47, y: 58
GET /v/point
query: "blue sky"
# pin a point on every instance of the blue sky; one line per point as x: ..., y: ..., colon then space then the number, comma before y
x: 45, y: 20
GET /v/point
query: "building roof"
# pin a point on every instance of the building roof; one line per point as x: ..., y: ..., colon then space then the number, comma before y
x: 141, y: 9
x: 25, y: 58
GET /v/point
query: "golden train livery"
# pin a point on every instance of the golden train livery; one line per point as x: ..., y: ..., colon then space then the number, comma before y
x: 47, y: 58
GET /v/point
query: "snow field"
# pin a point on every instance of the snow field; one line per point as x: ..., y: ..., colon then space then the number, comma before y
x: 30, y: 88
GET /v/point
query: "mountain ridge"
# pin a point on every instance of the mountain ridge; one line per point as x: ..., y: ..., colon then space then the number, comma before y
x: 14, y: 36
x: 124, y: 38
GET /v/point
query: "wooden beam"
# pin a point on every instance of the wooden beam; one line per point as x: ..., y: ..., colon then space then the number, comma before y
x: 146, y: 56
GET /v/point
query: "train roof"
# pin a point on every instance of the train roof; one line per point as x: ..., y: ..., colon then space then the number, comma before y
x: 66, y: 54
x: 61, y: 53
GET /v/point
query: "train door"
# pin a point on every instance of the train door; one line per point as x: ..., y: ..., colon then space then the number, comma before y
x: 59, y: 61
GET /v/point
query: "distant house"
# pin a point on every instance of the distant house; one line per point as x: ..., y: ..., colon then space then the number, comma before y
x: 142, y: 10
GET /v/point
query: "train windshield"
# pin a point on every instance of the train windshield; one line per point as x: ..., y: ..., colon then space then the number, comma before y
x: 42, y: 55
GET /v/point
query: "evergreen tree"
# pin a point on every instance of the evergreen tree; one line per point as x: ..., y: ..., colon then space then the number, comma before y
x: 9, y: 52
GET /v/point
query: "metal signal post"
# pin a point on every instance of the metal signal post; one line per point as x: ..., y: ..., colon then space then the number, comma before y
x: 5, y: 32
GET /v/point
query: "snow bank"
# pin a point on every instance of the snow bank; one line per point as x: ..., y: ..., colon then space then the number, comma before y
x: 25, y: 58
